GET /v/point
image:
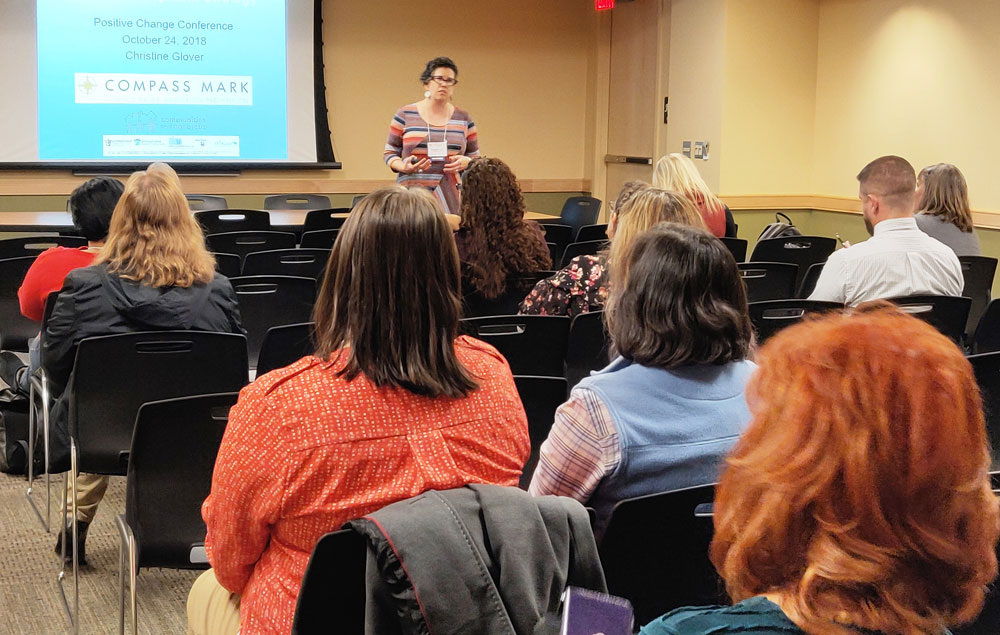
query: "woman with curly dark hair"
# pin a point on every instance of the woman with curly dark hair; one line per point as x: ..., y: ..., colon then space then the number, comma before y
x: 494, y: 241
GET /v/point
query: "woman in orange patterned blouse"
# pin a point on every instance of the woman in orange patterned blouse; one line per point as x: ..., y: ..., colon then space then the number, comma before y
x: 392, y: 404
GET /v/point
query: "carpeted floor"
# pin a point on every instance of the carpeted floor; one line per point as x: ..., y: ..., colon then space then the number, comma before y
x: 29, y: 595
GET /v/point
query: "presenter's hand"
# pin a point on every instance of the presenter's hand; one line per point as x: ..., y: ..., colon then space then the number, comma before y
x: 457, y: 163
x: 410, y: 168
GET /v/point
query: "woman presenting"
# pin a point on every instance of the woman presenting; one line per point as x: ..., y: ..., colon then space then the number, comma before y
x: 431, y: 142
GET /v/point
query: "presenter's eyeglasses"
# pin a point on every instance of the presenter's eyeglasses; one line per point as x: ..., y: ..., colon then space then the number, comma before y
x: 444, y: 81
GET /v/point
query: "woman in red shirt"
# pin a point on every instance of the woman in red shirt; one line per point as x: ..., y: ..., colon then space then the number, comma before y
x: 392, y: 404
x: 677, y: 173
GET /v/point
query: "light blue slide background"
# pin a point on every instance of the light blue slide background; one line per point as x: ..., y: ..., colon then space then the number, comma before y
x: 69, y: 42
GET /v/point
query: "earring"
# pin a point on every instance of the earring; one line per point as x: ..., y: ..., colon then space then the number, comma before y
x: 427, y: 94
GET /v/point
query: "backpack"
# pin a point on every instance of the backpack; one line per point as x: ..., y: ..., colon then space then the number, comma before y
x: 780, y: 228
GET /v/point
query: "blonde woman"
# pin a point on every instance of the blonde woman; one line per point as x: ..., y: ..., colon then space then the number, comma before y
x: 152, y: 274
x: 582, y: 285
x: 943, y: 208
x: 677, y: 173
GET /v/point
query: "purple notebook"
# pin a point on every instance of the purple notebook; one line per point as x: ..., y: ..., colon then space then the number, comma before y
x: 588, y: 612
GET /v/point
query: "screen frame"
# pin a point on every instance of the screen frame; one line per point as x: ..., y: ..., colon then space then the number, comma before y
x: 325, y: 159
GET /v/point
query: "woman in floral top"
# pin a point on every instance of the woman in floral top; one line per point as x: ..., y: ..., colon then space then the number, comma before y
x: 582, y: 286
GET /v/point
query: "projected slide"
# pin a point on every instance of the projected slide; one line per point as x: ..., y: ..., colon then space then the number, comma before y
x: 125, y: 80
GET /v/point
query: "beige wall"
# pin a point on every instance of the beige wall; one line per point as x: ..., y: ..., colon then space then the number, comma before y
x: 525, y: 75
x: 918, y: 79
x: 769, y: 96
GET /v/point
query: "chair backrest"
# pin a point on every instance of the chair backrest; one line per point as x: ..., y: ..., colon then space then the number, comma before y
x: 592, y: 232
x: 540, y: 397
x: 560, y: 236
x: 330, y: 218
x: 978, y: 272
x: 987, y: 334
x: 284, y: 345
x: 518, y: 287
x: 737, y: 247
x: 798, y: 250
x: 333, y: 588
x: 768, y: 280
x: 171, y: 459
x: 948, y: 314
x: 267, y: 301
x: 244, y: 242
x: 771, y: 316
x: 578, y: 211
x: 810, y: 279
x: 104, y: 396
x: 986, y: 367
x: 532, y: 344
x: 201, y: 202
x: 228, y: 265
x: 588, y: 346
x: 306, y: 263
x: 590, y: 248
x: 220, y: 221
x: 34, y: 245
x: 296, y: 201
x: 357, y: 199
x: 15, y: 329
x: 655, y: 552
x: 319, y: 239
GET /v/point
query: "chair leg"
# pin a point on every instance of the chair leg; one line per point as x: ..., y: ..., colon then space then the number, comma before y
x: 74, y: 613
x: 127, y: 558
x: 39, y: 387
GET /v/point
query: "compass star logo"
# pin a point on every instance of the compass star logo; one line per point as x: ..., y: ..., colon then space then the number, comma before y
x: 87, y: 85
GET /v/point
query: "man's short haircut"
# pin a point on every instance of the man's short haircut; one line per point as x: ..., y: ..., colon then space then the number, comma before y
x: 91, y: 205
x: 891, y: 178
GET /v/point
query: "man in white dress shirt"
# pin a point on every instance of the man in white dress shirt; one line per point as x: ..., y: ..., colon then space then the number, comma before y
x: 899, y: 259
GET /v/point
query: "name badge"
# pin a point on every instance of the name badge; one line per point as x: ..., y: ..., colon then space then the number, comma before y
x: 437, y: 150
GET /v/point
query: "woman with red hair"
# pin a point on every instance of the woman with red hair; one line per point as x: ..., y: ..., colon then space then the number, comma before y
x: 858, y: 500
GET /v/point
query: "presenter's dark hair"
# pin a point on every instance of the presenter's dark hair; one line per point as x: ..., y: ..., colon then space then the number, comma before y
x: 677, y: 299
x: 91, y: 205
x: 389, y: 305
x: 437, y: 62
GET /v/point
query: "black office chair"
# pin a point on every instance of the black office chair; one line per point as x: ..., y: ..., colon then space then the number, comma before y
x: 333, y: 588
x: 557, y: 236
x: 15, y: 329
x: 319, y: 239
x: 357, y: 199
x: 245, y: 242
x: 34, y: 245
x: 540, y: 397
x: 305, y: 263
x: 987, y: 335
x: 592, y: 232
x: 573, y: 250
x: 978, y: 273
x: 518, y: 287
x: 296, y: 201
x: 768, y: 280
x: 797, y: 250
x: 587, y: 348
x: 325, y: 219
x: 267, y: 301
x: 986, y: 367
x: 810, y: 279
x: 532, y: 344
x: 228, y: 265
x: 948, y: 314
x: 737, y: 247
x: 202, y: 202
x: 771, y: 316
x: 655, y: 552
x: 284, y: 345
x: 104, y: 398
x: 221, y: 221
x: 171, y: 459
x: 578, y: 211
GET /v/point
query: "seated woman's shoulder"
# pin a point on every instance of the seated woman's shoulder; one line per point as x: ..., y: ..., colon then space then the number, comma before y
x: 754, y: 615
x: 478, y: 356
x: 287, y: 378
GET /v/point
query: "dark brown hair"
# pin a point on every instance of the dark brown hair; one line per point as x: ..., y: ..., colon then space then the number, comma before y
x: 678, y: 300
x: 434, y: 64
x: 390, y: 297
x: 497, y: 240
x: 945, y: 195
x: 891, y: 178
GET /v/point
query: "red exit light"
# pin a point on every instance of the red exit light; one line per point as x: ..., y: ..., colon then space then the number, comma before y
x: 601, y: 5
